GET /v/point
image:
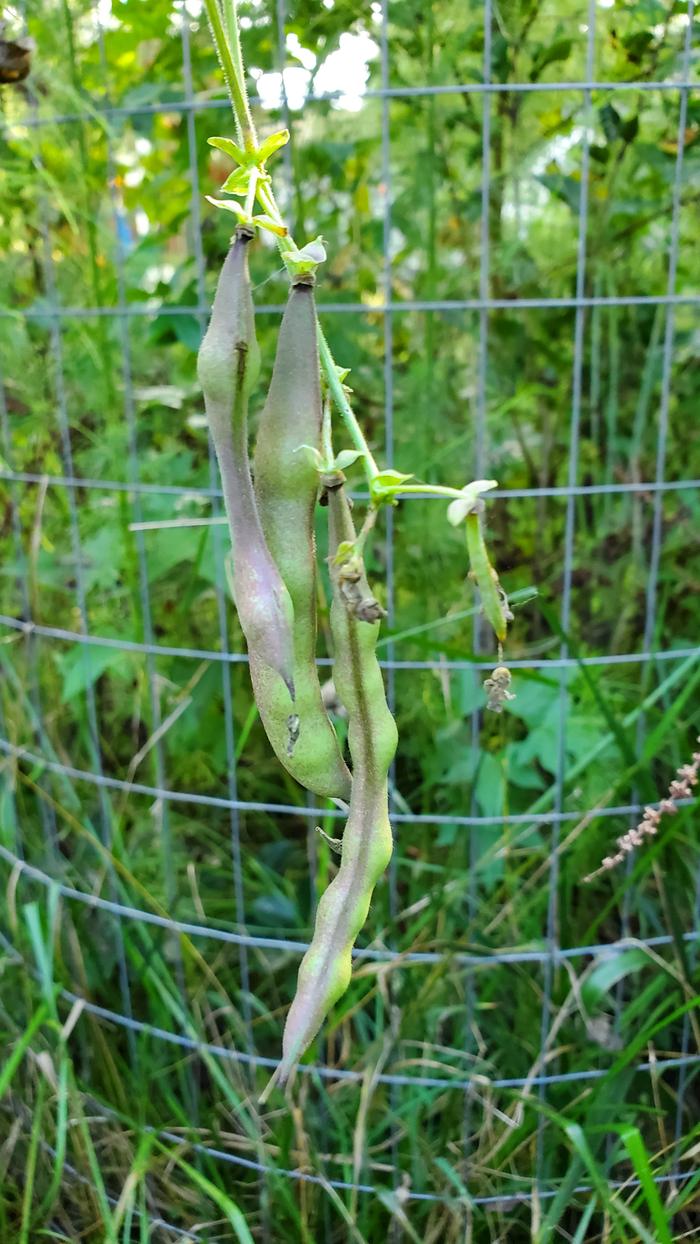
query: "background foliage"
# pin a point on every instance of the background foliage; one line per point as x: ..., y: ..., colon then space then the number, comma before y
x: 101, y: 206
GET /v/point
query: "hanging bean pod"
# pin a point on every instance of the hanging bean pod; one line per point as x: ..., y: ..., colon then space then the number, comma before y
x: 286, y: 487
x: 325, y: 970
x: 227, y: 366
x: 493, y: 598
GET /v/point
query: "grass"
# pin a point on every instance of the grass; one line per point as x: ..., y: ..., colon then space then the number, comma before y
x: 117, y: 1117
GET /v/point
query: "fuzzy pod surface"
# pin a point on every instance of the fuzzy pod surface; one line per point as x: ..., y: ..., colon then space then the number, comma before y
x: 227, y: 366
x: 286, y: 488
x: 325, y: 970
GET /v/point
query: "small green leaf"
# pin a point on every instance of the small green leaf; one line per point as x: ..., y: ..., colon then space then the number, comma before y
x: 343, y: 553
x: 272, y: 226
x: 305, y: 259
x: 611, y: 121
x: 229, y: 148
x: 457, y: 510
x: 390, y: 479
x: 237, y: 182
x: 229, y: 205
x: 346, y: 458
x: 271, y: 144
x: 311, y: 455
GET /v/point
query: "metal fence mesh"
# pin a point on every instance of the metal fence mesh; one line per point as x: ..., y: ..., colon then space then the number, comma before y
x: 37, y: 755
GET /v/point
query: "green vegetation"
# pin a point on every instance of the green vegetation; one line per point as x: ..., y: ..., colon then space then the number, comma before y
x: 105, y: 1130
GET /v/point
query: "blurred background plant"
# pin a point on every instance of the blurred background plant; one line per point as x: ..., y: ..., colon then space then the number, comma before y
x: 571, y: 1072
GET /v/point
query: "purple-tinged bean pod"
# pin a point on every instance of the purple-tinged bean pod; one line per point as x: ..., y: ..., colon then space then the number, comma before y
x: 286, y: 488
x: 228, y: 366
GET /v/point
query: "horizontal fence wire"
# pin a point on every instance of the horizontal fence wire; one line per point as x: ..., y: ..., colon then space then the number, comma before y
x: 402, y: 307
x: 28, y: 627
x: 486, y: 958
x: 290, y: 809
x: 96, y: 114
x: 576, y: 490
x: 549, y: 953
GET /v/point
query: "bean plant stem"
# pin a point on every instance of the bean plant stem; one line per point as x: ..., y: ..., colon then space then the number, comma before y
x: 343, y: 405
x: 234, y: 81
x: 228, y: 46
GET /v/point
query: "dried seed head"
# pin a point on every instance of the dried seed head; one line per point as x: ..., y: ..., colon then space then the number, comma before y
x: 680, y: 788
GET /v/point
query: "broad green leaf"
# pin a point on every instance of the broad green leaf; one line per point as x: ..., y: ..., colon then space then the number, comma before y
x: 84, y: 664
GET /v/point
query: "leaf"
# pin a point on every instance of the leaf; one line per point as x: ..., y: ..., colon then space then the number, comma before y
x: 610, y: 121
x: 629, y: 129
x: 389, y: 479
x: 84, y: 664
x: 306, y: 258
x: 223, y: 1202
x: 271, y: 144
x: 237, y: 182
x: 272, y: 226
x: 13, y: 1059
x: 229, y: 205
x: 311, y: 455
x: 457, y: 510
x: 490, y: 786
x: 347, y: 457
x: 559, y: 50
x: 229, y: 148
x: 606, y: 974
x: 345, y: 550
x: 565, y: 188
x: 632, y: 1140
x: 614, y: 1206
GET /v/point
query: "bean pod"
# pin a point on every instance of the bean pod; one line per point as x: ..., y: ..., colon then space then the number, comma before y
x: 286, y: 488
x: 325, y: 970
x: 228, y: 366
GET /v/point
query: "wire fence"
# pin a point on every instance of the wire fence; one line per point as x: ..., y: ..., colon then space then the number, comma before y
x: 37, y: 753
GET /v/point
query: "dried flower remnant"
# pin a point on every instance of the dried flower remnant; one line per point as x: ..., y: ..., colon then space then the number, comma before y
x: 680, y: 788
x: 498, y: 690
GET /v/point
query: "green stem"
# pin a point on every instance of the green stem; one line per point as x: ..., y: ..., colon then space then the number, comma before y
x: 234, y: 39
x: 236, y: 87
x: 344, y: 407
x: 326, y: 442
x: 231, y: 57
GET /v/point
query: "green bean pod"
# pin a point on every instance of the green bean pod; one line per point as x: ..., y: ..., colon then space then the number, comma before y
x: 286, y: 488
x: 493, y: 598
x: 325, y: 970
x: 227, y: 367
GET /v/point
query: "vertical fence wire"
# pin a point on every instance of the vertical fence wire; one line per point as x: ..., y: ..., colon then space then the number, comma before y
x: 46, y: 812
x: 656, y: 538
x: 480, y: 457
x: 66, y: 452
x: 552, y: 929
x: 388, y: 330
